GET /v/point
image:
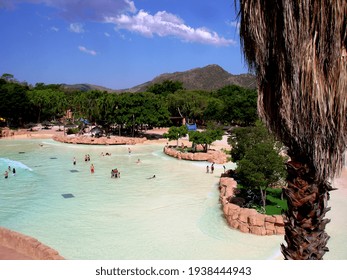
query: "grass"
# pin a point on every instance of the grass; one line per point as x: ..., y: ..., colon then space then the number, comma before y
x: 274, y: 204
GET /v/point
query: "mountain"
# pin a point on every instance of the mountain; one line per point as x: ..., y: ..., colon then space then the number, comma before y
x: 208, y: 78
x: 87, y: 87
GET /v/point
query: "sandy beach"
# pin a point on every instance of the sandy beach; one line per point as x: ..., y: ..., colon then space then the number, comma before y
x: 336, y: 201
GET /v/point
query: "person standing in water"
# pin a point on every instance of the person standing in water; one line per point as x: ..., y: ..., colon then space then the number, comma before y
x: 6, y: 174
x: 74, y: 161
x: 92, y: 169
x: 14, y: 171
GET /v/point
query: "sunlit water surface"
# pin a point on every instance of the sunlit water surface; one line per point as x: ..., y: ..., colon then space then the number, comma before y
x: 177, y: 215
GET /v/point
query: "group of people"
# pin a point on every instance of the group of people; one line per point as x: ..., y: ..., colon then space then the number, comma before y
x: 114, y: 172
x: 9, y: 170
x: 87, y: 157
x: 210, y: 170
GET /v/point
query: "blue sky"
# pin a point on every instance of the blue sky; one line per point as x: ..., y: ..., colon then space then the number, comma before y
x: 115, y: 43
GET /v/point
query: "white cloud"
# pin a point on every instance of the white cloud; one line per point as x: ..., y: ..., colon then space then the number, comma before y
x: 76, y: 27
x: 85, y: 50
x: 53, y: 28
x: 107, y: 34
x: 125, y: 16
x: 234, y: 24
x: 167, y: 24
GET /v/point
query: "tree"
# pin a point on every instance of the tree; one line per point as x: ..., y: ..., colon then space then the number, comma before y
x: 298, y: 52
x: 7, y: 77
x: 165, y: 87
x: 261, y: 167
x: 175, y: 133
x: 14, y: 104
x: 240, y: 105
x: 205, y: 138
x: 244, y: 138
x: 191, y: 104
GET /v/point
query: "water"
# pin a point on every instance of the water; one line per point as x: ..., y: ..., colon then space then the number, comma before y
x: 174, y: 216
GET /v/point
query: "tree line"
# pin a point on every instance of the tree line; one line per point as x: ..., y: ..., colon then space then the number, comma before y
x: 21, y: 104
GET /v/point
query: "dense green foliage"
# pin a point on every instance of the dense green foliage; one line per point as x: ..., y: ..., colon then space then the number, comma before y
x: 165, y: 87
x: 259, y: 165
x: 175, y: 133
x: 205, y: 138
x: 244, y: 138
x: 21, y: 104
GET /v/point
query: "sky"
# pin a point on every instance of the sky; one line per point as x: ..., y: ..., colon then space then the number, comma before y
x: 115, y: 43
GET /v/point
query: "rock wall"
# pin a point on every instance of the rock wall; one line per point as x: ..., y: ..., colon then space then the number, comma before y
x: 218, y: 157
x: 27, y: 245
x: 5, y: 132
x: 245, y: 219
x: 87, y: 140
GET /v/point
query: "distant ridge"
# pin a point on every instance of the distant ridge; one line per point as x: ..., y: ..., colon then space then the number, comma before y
x: 208, y: 78
x: 87, y: 87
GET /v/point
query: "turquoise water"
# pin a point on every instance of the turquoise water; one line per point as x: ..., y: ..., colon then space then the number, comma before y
x: 174, y: 216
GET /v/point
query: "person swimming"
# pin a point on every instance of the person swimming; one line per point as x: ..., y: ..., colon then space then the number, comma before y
x: 151, y: 177
x: 115, y: 173
x: 6, y: 174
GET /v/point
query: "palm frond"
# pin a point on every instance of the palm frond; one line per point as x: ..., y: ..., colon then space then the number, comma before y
x: 298, y: 51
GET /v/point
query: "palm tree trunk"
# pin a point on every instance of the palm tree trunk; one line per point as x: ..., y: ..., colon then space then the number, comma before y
x: 304, y: 220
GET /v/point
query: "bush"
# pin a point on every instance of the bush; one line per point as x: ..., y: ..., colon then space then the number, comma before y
x: 72, y: 131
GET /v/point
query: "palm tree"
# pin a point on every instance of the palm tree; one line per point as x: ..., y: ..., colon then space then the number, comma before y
x: 298, y: 52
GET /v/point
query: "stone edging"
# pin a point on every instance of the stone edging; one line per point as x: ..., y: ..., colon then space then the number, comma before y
x: 211, y: 156
x: 27, y: 245
x: 245, y: 219
x: 87, y: 140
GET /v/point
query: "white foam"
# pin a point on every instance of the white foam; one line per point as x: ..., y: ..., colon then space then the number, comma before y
x: 14, y: 163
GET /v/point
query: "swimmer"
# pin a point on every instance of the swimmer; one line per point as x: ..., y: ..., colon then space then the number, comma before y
x: 74, y: 161
x: 151, y: 177
x: 14, y: 171
x: 6, y: 174
x: 138, y: 161
x: 92, y: 168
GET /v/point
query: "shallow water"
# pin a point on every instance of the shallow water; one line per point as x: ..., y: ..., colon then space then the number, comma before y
x: 174, y: 216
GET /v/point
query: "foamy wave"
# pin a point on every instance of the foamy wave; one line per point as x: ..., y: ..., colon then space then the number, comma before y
x: 14, y: 163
